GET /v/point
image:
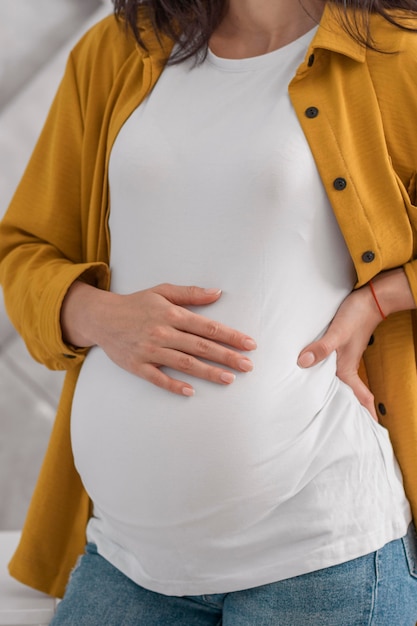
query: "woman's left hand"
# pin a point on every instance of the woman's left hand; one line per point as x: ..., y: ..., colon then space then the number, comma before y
x: 348, y: 334
x: 352, y: 326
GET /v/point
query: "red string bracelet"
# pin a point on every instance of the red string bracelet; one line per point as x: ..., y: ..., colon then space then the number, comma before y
x: 384, y: 317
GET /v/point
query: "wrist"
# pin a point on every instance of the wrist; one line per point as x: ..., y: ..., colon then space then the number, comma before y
x: 391, y: 291
x: 376, y: 301
x: 82, y: 314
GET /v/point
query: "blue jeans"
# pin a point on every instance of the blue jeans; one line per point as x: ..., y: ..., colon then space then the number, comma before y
x: 379, y: 589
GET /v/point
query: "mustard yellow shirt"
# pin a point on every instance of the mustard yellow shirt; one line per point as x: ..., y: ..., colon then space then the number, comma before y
x: 358, y: 110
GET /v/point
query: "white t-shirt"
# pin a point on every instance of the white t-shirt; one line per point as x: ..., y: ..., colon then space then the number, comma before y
x: 283, y: 472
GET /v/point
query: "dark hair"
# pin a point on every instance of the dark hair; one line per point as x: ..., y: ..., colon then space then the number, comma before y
x: 190, y: 23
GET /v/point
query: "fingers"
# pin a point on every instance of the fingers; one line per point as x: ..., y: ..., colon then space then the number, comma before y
x: 183, y: 352
x: 215, y: 332
x: 154, y: 375
x: 187, y: 295
x: 186, y: 364
x: 361, y: 391
x: 203, y: 348
x: 182, y: 319
x: 157, y: 377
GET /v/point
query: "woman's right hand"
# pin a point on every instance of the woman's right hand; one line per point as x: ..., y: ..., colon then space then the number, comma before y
x: 146, y: 330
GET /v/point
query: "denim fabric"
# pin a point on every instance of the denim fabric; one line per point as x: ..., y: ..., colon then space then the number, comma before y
x: 379, y: 589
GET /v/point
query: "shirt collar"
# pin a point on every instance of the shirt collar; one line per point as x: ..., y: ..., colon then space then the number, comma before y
x: 332, y: 36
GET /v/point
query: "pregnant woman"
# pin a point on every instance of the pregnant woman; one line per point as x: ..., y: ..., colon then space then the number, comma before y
x: 216, y: 237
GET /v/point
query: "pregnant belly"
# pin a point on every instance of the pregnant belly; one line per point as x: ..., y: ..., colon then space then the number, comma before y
x: 144, y: 454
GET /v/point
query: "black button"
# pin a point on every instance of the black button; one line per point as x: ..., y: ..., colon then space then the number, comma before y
x: 382, y: 409
x: 371, y: 340
x: 339, y: 184
x: 368, y: 256
x: 69, y: 356
x: 310, y: 60
x: 312, y: 112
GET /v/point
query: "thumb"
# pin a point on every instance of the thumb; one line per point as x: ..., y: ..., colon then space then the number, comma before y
x: 187, y: 295
x: 317, y: 351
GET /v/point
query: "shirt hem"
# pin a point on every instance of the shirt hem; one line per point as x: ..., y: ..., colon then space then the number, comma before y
x: 331, y: 555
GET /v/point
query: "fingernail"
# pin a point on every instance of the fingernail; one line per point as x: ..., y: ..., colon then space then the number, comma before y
x: 245, y: 365
x: 188, y: 391
x: 306, y: 359
x: 212, y: 292
x: 249, y: 344
x: 227, y: 377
